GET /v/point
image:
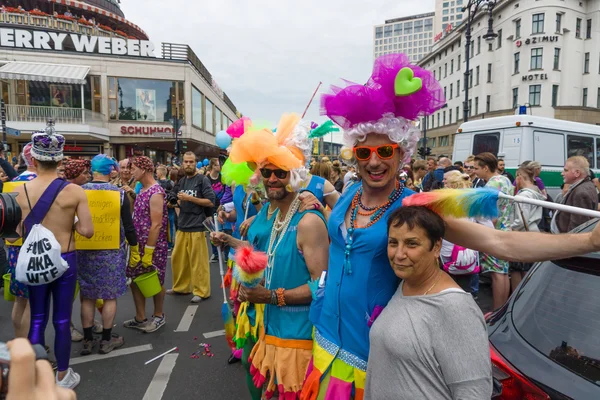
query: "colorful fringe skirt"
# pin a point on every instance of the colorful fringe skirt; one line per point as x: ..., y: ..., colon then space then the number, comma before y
x: 333, y: 373
x: 280, y: 364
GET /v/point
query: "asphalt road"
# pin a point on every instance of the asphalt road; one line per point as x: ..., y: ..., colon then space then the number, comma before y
x: 122, y: 375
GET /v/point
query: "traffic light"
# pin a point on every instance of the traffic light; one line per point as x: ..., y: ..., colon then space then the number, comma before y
x: 428, y: 152
x: 421, y: 152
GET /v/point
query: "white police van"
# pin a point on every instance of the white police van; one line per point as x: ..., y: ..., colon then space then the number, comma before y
x: 518, y: 138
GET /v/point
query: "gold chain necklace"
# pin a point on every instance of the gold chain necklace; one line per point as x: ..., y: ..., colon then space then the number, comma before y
x: 434, y: 283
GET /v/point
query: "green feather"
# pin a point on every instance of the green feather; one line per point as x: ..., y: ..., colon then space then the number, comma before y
x: 323, y: 129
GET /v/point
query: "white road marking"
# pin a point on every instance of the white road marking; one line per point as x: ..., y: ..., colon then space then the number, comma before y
x: 161, y: 378
x: 186, y: 320
x: 209, y: 335
x: 112, y: 354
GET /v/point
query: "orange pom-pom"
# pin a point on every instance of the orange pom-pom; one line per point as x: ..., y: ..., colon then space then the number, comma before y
x: 249, y: 260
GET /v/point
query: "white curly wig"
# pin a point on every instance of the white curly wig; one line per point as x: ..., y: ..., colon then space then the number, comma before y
x: 398, y: 130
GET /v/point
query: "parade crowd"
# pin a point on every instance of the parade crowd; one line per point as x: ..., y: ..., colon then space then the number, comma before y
x: 336, y: 289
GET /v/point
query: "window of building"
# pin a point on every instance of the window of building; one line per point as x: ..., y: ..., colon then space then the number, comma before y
x: 444, y: 118
x: 457, y: 87
x: 517, y: 29
x: 536, y: 58
x: 578, y: 28
x: 598, y: 99
x: 470, y: 107
x: 515, y: 97
x: 586, y: 63
x: 445, y: 11
x: 450, y: 116
x: 434, y: 77
x: 438, y: 119
x: 445, y: 93
x: 440, y: 71
x: 210, y: 116
x: 535, y: 94
x: 408, y: 28
x: 585, y: 96
x: 458, y: 64
x: 490, y: 47
x: 499, y: 38
x: 418, y: 25
x: 459, y: 17
x: 537, y: 23
x: 478, y: 44
x: 387, y: 31
x: 428, y: 25
x: 451, y: 67
x: 516, y: 63
x: 588, y: 29
x: 476, y: 105
x: 451, y: 90
x: 397, y: 29
x: 477, y: 75
x: 445, y: 70
x: 488, y: 103
x: 471, y: 78
x: 96, y: 91
x: 379, y: 32
x: 145, y: 99
x: 556, y: 58
x: 489, y: 73
x: 555, y: 95
x: 457, y: 112
x: 558, y: 22
x: 444, y: 141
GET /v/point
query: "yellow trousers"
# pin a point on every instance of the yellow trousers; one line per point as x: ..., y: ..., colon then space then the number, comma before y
x: 189, y: 261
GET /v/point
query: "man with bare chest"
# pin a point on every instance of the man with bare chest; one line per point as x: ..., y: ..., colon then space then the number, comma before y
x: 54, y: 203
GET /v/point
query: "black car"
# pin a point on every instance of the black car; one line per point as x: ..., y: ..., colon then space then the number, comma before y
x: 545, y: 341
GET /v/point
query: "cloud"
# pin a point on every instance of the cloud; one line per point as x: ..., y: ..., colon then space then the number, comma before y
x: 267, y: 55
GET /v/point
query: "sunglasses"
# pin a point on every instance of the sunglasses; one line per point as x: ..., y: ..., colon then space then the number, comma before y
x: 469, y: 167
x: 384, y: 152
x: 279, y: 173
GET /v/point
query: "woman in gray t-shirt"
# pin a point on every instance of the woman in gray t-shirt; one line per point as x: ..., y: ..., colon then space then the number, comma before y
x: 430, y: 341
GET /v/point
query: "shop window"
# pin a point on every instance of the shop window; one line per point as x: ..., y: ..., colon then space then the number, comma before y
x: 197, y: 109
x: 96, y: 94
x: 145, y: 100
x: 45, y: 94
x: 21, y: 93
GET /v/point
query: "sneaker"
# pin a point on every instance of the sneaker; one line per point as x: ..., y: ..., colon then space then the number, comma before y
x: 98, y: 327
x: 76, y: 336
x: 213, y: 258
x: 134, y: 324
x: 106, y: 346
x: 174, y: 293
x: 154, y: 324
x: 198, y: 299
x: 70, y: 381
x: 88, y: 346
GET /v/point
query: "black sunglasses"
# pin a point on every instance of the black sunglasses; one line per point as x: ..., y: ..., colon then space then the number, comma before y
x: 279, y: 173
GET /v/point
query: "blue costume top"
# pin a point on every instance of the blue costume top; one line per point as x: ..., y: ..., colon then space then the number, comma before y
x: 316, y: 186
x: 241, y: 206
x: 289, y: 271
x: 350, y: 298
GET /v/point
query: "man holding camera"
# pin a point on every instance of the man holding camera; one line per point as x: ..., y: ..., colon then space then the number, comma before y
x: 189, y: 260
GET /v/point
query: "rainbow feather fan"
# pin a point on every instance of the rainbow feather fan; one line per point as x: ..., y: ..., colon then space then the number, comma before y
x: 459, y: 203
x: 250, y: 266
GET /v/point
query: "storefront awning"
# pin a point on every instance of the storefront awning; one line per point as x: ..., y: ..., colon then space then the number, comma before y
x: 56, y: 73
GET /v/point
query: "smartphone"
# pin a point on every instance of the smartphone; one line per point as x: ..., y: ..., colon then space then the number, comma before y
x: 40, y: 354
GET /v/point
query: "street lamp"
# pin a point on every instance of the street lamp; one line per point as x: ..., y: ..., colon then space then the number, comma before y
x: 472, y: 8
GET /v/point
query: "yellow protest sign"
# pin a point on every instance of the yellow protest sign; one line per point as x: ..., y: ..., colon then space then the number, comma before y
x: 105, y: 207
x: 8, y: 187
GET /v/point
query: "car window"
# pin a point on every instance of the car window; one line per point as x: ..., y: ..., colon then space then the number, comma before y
x: 557, y: 310
x: 486, y: 142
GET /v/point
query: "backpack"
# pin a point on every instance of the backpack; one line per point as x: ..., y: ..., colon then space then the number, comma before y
x: 40, y: 261
x: 463, y: 261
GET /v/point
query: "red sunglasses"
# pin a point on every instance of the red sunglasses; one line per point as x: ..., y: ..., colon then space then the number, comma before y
x: 384, y: 152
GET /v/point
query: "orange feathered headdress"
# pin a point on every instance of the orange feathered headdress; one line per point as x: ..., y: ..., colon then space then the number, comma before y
x: 288, y: 148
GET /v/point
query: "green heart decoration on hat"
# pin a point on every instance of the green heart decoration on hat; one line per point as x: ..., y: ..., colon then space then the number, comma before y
x: 406, y: 84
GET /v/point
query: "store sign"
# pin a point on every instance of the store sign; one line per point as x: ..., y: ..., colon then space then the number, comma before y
x: 441, y: 34
x: 532, y: 77
x: 537, y: 40
x: 155, y: 131
x: 42, y: 40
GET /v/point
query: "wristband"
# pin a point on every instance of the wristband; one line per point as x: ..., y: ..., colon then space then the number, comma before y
x: 273, y: 298
x: 280, y: 297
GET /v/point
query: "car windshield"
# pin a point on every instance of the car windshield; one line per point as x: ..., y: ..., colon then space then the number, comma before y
x: 557, y: 310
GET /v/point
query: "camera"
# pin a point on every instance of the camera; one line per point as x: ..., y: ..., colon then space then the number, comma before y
x: 10, y: 215
x: 172, y: 197
x: 40, y: 354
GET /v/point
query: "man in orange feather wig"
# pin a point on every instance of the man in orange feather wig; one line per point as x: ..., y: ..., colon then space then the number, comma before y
x: 296, y: 248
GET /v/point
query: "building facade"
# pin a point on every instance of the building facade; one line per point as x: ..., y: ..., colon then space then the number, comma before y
x: 448, y: 14
x: 412, y: 36
x: 106, y: 86
x: 545, y: 58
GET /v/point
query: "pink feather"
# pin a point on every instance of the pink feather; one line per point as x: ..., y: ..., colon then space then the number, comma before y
x: 249, y: 260
x: 238, y: 128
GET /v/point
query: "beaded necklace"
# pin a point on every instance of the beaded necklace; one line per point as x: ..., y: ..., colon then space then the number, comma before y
x: 278, y: 232
x: 376, y: 213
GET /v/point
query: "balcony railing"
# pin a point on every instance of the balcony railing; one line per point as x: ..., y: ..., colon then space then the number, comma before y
x: 61, y: 115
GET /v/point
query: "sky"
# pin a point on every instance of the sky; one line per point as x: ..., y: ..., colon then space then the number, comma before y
x: 270, y: 55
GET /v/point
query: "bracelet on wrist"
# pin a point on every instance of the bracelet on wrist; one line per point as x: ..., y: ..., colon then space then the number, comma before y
x: 273, y: 298
x: 280, y: 297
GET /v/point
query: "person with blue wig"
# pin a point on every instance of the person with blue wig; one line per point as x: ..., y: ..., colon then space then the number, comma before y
x: 102, y: 272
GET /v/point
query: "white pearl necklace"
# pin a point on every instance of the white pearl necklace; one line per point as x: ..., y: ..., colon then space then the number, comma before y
x: 278, y: 232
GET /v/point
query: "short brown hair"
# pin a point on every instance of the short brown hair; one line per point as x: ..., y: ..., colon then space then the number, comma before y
x: 213, y: 161
x: 190, y: 153
x: 471, y: 158
x: 487, y: 160
x: 418, y: 165
x: 321, y: 169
